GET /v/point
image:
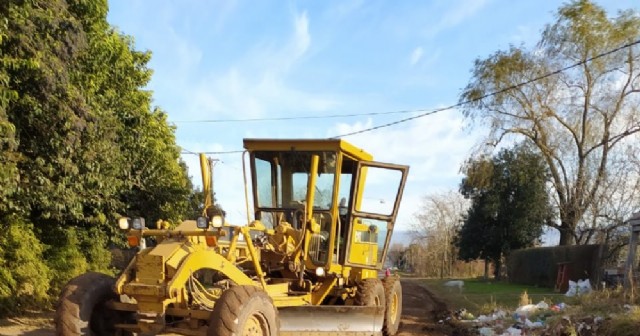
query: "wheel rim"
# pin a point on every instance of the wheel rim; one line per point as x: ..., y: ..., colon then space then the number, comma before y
x: 393, y: 308
x: 256, y: 325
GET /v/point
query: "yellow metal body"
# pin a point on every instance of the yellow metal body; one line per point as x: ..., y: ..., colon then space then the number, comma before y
x: 309, y: 254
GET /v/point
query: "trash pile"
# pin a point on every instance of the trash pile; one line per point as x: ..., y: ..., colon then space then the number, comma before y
x: 533, y: 319
x: 579, y: 288
x: 522, y: 321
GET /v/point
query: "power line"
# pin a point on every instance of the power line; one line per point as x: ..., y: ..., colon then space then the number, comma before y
x: 331, y: 116
x: 428, y: 111
x: 186, y: 151
x: 494, y: 93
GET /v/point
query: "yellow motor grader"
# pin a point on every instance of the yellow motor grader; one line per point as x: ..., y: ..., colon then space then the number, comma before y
x: 306, y: 264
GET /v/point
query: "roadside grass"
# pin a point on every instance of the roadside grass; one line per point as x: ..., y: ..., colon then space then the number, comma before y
x: 480, y: 296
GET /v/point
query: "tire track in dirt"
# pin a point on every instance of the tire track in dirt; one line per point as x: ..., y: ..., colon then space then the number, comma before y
x: 422, y: 311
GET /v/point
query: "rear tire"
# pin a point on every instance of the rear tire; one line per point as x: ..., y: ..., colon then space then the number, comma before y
x: 393, y: 310
x: 370, y: 292
x: 244, y: 311
x: 81, y: 308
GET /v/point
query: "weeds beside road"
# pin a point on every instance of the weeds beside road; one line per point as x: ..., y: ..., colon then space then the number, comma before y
x: 480, y: 296
x: 510, y: 309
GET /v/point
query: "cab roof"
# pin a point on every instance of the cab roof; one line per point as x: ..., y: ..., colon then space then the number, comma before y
x: 307, y: 145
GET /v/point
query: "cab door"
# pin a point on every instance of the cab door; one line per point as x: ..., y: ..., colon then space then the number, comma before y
x: 378, y: 192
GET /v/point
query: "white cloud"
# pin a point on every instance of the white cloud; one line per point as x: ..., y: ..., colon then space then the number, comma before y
x: 344, y: 8
x: 302, y: 39
x: 524, y: 34
x: 461, y: 11
x: 255, y: 85
x: 416, y: 55
x: 224, y: 9
x: 464, y: 10
x: 433, y: 146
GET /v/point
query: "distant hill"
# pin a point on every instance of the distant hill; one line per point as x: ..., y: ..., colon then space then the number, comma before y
x: 550, y: 237
x: 403, y: 237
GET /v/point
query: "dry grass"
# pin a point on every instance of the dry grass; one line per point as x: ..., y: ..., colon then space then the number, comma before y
x: 614, y: 309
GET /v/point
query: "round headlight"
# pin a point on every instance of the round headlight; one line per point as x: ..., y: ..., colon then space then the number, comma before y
x: 217, y: 221
x: 320, y: 271
x: 124, y: 223
x: 138, y: 223
x: 202, y: 223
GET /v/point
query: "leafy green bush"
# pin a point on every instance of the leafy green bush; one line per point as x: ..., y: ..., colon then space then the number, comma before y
x: 75, y: 252
x: 24, y: 277
x: 66, y: 259
x: 93, y: 243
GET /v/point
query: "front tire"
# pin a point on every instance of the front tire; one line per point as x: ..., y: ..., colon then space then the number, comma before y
x: 393, y: 310
x: 244, y: 311
x: 81, y: 308
x: 370, y: 292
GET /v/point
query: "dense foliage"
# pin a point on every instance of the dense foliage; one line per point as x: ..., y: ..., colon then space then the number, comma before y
x: 80, y: 145
x: 509, y: 205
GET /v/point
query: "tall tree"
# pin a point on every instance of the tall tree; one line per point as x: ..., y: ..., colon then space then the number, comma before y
x: 90, y: 145
x: 605, y: 221
x: 8, y: 143
x: 80, y: 142
x: 510, y: 205
x: 575, y: 118
x: 436, y: 223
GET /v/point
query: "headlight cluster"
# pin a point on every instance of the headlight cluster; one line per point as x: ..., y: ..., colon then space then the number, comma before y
x: 217, y: 221
x: 126, y: 223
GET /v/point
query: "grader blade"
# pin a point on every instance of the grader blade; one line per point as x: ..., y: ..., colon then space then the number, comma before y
x: 331, y: 320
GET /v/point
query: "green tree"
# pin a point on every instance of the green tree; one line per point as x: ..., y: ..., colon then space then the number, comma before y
x: 80, y: 142
x: 575, y: 119
x: 510, y: 205
x: 91, y: 146
x: 8, y: 143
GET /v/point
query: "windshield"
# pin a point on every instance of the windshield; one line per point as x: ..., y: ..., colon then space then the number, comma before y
x: 282, y: 177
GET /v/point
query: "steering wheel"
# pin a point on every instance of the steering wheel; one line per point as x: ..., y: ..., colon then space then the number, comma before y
x: 298, y: 217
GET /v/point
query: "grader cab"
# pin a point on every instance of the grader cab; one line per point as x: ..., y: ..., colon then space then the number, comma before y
x: 305, y: 263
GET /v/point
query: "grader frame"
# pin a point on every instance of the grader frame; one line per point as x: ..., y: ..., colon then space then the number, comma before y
x: 307, y: 264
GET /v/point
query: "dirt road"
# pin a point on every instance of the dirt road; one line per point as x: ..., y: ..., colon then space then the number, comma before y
x: 425, y: 314
x: 421, y: 312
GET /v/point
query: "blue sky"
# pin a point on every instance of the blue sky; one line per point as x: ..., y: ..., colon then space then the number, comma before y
x: 256, y: 59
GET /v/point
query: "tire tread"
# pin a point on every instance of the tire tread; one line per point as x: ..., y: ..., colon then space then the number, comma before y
x: 390, y: 285
x: 71, y: 317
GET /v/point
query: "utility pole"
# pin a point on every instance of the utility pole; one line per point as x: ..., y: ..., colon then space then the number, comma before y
x: 212, y: 164
x: 206, y: 166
